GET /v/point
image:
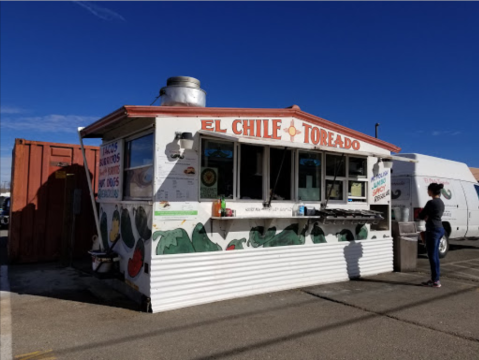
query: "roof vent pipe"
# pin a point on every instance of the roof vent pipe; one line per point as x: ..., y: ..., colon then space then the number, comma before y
x: 182, y: 91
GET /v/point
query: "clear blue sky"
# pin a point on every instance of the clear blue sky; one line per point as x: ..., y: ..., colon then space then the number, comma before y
x: 413, y: 67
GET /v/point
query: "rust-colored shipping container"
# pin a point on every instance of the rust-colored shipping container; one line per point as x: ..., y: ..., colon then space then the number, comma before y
x: 46, y: 178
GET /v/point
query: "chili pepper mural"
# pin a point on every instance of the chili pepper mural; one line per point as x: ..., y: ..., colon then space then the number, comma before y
x: 141, y: 222
x: 126, y: 229
x: 317, y: 234
x: 130, y: 225
x: 115, y: 225
x: 136, y: 262
x: 173, y: 242
x: 361, y: 232
x: 104, y: 230
x: 201, y: 241
x: 236, y: 244
x: 345, y: 235
x: 178, y: 241
x: 289, y: 236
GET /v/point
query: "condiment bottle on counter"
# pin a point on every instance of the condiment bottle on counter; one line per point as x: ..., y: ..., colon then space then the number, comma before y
x: 223, y: 205
x: 300, y: 208
x: 216, y: 208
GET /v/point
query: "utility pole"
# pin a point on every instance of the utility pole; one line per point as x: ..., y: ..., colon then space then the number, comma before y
x: 377, y: 125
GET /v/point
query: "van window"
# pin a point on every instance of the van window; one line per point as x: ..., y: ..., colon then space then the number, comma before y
x: 477, y: 189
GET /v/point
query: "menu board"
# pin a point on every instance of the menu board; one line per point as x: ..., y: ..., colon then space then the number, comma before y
x: 177, y: 192
x: 110, y: 170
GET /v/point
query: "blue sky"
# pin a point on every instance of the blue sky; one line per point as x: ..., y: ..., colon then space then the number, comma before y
x: 411, y: 66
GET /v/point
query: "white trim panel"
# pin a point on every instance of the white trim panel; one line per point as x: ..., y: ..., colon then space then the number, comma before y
x: 183, y: 280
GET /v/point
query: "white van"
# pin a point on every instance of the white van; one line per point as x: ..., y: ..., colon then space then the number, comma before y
x: 409, y: 184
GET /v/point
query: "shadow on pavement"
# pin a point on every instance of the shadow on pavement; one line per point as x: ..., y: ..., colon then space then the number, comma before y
x: 454, y: 247
x: 3, y: 249
x: 65, y: 283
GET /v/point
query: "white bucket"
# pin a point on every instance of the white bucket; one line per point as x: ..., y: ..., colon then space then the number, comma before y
x: 398, y: 216
x: 97, y: 260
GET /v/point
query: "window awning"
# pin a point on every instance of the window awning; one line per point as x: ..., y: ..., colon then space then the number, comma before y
x: 281, y: 143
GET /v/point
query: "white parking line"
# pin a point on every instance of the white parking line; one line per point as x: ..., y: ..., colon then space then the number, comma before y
x: 465, y: 267
x: 5, y: 315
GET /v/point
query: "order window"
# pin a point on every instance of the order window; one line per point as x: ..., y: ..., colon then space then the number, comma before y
x: 335, y: 176
x: 357, y: 179
x: 217, y: 169
x: 346, y: 178
x: 309, y: 176
x: 280, y: 162
x: 138, y: 168
x: 251, y: 172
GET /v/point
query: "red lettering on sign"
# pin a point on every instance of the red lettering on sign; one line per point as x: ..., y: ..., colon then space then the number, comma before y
x: 267, y: 135
x: 235, y: 127
x: 218, y: 127
x: 315, y: 136
x: 207, y: 125
x: 324, y: 138
x: 276, y: 128
x: 258, y: 128
x: 330, y: 139
x: 356, y: 145
x: 248, y: 127
x: 306, y: 133
x: 339, y: 141
x: 347, y: 143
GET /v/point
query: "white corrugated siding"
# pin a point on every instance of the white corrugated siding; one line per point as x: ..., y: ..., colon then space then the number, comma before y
x: 190, y: 279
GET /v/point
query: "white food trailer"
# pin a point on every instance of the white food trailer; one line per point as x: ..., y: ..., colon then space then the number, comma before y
x: 163, y: 167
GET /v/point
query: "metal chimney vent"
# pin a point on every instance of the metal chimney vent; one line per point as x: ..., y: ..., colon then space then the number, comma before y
x: 182, y: 91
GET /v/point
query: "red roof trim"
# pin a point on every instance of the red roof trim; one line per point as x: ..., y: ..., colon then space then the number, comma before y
x: 154, y: 111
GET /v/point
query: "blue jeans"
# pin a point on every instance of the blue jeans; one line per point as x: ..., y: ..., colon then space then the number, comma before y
x: 433, y: 238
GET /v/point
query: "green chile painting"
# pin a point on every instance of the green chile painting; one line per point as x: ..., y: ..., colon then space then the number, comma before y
x: 177, y: 241
x: 123, y: 222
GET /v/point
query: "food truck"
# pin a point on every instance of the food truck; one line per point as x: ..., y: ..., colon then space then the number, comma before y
x: 205, y: 204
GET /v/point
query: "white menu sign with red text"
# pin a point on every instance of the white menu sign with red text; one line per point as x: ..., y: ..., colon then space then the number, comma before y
x: 110, y: 170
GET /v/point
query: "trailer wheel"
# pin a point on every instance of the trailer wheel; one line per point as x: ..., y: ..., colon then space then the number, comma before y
x: 443, y: 247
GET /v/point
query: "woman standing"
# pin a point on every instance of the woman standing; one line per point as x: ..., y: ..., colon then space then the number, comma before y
x: 432, y: 213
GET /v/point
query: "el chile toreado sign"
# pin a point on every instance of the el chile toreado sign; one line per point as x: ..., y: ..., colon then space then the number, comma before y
x: 274, y: 129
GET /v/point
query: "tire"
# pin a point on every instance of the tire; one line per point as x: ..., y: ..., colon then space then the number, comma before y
x: 443, y: 247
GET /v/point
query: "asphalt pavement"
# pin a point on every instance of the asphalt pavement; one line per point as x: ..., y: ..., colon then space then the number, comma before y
x: 61, y: 313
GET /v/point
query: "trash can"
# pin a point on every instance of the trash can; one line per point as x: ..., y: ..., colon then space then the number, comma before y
x: 405, y: 236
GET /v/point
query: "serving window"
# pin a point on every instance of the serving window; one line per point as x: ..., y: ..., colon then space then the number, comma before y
x: 281, y: 174
x: 357, y: 179
x: 250, y: 172
x: 217, y: 169
x: 138, y: 168
x: 309, y: 176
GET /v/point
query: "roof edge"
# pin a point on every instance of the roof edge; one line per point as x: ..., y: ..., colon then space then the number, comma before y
x: 128, y: 111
